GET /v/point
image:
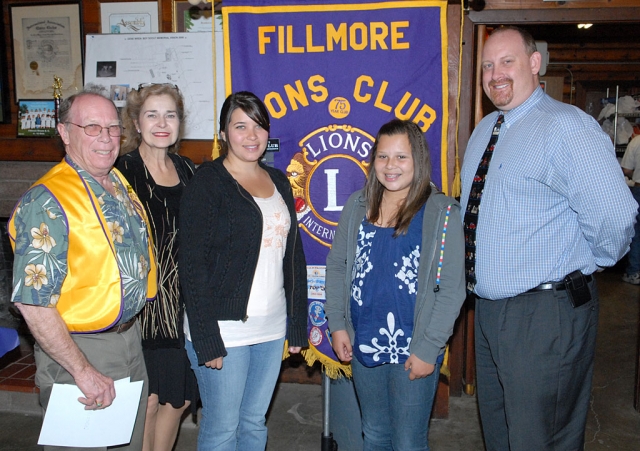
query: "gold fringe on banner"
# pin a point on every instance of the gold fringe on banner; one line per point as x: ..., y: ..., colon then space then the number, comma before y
x: 330, y: 367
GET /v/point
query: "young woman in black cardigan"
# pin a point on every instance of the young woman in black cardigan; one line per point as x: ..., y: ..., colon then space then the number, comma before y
x: 243, y: 274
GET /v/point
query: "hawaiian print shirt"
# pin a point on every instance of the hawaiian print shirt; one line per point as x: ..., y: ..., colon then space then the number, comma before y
x: 40, y: 261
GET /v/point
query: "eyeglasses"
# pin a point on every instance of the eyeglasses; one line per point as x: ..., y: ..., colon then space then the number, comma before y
x: 141, y: 86
x: 96, y: 130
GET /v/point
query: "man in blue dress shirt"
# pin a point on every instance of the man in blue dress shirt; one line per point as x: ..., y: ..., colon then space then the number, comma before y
x: 554, y: 209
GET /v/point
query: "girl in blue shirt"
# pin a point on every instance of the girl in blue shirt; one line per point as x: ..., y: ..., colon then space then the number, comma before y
x: 395, y: 284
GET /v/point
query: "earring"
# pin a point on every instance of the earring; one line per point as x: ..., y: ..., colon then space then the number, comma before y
x: 138, y: 130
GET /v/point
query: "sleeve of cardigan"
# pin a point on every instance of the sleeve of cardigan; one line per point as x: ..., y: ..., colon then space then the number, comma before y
x: 195, y: 260
x: 427, y: 344
x: 336, y: 272
x: 297, y: 325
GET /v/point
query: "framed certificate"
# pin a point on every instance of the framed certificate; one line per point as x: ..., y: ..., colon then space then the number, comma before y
x: 47, y: 42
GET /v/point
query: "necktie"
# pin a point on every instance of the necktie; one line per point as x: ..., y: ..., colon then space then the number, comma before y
x: 473, y: 207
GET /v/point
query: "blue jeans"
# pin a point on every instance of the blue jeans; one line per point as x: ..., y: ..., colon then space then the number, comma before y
x: 395, y: 410
x: 235, y: 398
x: 633, y: 265
x: 344, y: 415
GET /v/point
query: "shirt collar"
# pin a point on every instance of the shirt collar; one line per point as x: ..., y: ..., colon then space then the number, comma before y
x: 95, y: 186
x: 512, y: 116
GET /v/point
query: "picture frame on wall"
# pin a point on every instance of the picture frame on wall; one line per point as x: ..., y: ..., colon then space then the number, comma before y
x: 46, y: 42
x: 192, y: 18
x: 129, y: 17
x: 36, y: 118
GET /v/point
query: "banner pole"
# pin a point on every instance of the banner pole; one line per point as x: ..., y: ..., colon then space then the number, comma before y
x: 327, y: 444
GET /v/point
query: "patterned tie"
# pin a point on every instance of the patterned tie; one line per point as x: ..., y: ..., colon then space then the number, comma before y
x: 473, y: 207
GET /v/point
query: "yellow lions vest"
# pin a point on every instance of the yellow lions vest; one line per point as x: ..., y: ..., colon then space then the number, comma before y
x: 91, y: 296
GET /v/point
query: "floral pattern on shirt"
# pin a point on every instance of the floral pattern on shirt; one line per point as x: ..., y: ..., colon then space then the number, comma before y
x: 408, y: 272
x: 361, y: 265
x: 392, y: 348
x: 276, y: 228
x: 44, y: 262
x: 42, y: 243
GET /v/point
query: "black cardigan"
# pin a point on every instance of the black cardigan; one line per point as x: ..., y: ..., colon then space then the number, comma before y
x: 220, y: 237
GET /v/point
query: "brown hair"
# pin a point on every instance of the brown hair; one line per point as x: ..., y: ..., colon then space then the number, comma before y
x: 528, y: 41
x: 131, y: 139
x: 420, y: 188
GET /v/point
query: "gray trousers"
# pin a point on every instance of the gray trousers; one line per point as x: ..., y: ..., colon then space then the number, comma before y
x: 534, y: 363
x: 114, y: 355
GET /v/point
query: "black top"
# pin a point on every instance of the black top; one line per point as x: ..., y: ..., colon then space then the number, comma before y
x: 161, y: 320
x: 219, y: 249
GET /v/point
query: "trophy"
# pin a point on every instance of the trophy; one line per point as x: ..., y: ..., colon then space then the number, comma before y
x: 57, y: 95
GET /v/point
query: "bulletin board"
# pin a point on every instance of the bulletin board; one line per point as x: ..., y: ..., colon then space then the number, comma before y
x: 120, y: 62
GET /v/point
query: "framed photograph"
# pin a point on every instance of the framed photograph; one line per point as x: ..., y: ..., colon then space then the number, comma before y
x: 129, y: 17
x: 543, y: 85
x: 47, y: 42
x: 36, y: 118
x: 194, y: 18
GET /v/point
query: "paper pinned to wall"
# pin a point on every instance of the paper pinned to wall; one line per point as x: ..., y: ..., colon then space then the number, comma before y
x: 120, y: 62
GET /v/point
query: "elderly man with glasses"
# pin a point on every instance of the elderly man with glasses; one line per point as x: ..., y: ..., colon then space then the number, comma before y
x: 83, y: 264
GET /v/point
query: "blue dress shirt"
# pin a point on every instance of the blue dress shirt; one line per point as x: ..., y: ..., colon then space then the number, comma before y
x: 554, y: 198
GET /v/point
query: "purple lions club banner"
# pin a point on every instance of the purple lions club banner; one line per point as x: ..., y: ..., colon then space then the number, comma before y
x: 331, y: 75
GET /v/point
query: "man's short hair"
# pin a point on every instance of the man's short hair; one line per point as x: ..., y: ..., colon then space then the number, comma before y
x: 64, y: 110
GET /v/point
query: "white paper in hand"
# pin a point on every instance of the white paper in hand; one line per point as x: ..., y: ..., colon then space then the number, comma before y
x: 66, y: 423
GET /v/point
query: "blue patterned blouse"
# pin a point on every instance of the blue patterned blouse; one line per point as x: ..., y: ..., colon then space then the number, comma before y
x: 384, y: 285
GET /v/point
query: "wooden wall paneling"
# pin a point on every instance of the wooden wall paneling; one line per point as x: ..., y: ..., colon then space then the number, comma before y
x: 453, y: 54
x: 571, y: 14
x: 165, y: 14
x: 557, y: 5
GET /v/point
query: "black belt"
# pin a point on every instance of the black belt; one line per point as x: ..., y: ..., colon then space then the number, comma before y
x: 120, y: 328
x: 558, y: 286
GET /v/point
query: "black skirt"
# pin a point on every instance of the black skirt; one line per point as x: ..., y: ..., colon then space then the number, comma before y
x: 171, y: 376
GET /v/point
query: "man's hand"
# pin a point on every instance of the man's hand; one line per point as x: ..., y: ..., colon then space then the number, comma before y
x: 341, y: 344
x: 51, y: 333
x: 419, y: 368
x: 98, y: 389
